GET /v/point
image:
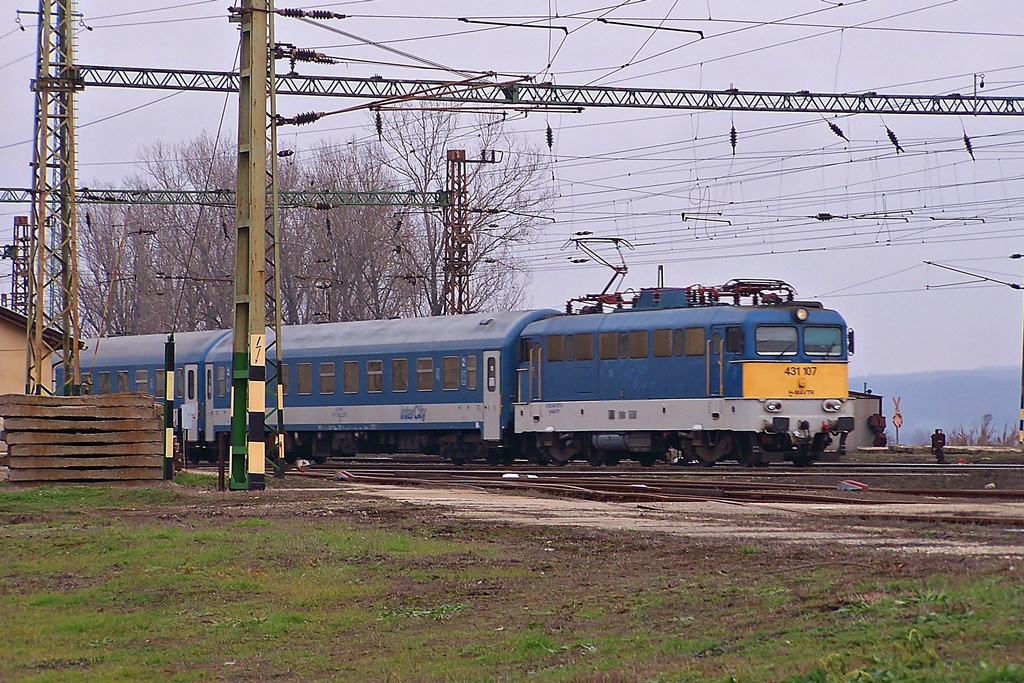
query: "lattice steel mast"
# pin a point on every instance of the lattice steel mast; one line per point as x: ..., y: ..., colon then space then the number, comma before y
x: 52, y: 297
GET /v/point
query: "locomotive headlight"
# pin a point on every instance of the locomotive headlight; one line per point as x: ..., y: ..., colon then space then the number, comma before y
x: 773, y: 406
x: 831, y: 405
x: 800, y: 314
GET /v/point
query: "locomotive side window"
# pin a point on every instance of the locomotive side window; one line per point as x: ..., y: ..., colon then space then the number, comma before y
x: 694, y: 341
x: 450, y: 373
x: 570, y: 347
x: 424, y: 374
x: 282, y: 378
x: 638, y: 344
x: 585, y: 346
x: 222, y: 380
x: 104, y: 385
x: 823, y: 341
x: 775, y: 340
x: 399, y: 375
x: 142, y: 381
x: 492, y: 374
x: 374, y: 376
x: 327, y: 377
x: 471, y: 372
x: 663, y: 343
x: 734, y: 339
x: 305, y: 379
x: 179, y: 383
x: 525, y: 350
x: 623, y: 344
x: 608, y: 345
x: 122, y: 381
x: 159, y: 384
x: 677, y: 342
x: 556, y: 347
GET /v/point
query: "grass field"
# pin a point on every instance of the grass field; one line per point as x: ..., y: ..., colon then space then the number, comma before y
x: 182, y: 583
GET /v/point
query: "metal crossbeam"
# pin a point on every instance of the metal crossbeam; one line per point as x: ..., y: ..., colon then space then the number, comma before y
x: 548, y: 95
x: 295, y: 199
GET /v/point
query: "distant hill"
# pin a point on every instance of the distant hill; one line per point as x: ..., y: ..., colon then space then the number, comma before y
x: 947, y: 399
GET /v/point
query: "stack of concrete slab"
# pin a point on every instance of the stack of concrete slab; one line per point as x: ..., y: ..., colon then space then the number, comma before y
x: 107, y: 438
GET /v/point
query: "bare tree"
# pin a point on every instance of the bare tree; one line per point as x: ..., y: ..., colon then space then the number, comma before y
x: 505, y: 199
x: 149, y: 269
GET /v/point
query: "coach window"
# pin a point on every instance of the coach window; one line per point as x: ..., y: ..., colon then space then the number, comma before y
x: 222, y: 381
x: 623, y: 344
x: 159, y: 384
x: 86, y: 383
x: 424, y: 374
x: 556, y: 347
x: 282, y: 379
x: 122, y: 381
x: 327, y: 378
x: 191, y: 384
x: 638, y: 344
x: 734, y: 340
x: 585, y: 346
x: 492, y: 374
x: 399, y: 375
x: 662, y: 343
x: 823, y: 341
x: 375, y: 376
x: 179, y: 383
x: 693, y: 341
x: 209, y: 384
x: 350, y: 376
x: 305, y: 379
x: 608, y: 345
x: 450, y: 373
x: 104, y: 385
x: 471, y: 372
x: 775, y: 340
x: 142, y: 381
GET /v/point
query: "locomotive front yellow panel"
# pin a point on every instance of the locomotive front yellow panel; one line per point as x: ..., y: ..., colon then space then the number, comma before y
x: 795, y: 380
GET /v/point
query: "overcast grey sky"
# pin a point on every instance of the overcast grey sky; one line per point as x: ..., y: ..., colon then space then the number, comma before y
x: 632, y: 173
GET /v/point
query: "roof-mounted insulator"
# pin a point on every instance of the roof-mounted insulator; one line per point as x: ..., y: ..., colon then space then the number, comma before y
x: 969, y: 146
x: 296, y: 13
x: 379, y: 123
x: 549, y: 135
x: 732, y: 139
x: 837, y: 130
x: 823, y: 216
x: 894, y: 141
x: 285, y: 153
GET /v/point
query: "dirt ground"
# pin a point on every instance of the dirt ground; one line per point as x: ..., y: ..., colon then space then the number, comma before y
x: 879, y: 527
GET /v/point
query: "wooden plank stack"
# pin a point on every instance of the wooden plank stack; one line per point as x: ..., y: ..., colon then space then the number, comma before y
x: 106, y: 438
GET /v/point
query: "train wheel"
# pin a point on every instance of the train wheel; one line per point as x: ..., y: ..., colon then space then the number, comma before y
x: 805, y: 459
x: 595, y: 458
x: 647, y: 459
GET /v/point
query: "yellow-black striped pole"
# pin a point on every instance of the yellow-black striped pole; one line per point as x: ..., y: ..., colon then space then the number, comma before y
x: 169, y: 407
x: 248, y: 408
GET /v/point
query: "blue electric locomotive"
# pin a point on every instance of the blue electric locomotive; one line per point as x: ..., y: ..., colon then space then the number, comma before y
x: 676, y: 373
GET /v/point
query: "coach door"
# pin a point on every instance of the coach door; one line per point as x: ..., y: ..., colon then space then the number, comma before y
x: 208, y: 407
x: 190, y: 406
x: 492, y: 396
x: 715, y: 362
